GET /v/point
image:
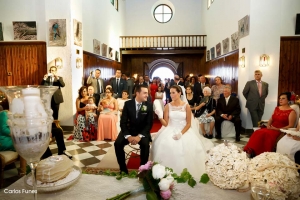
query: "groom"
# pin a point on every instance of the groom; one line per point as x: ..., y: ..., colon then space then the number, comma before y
x: 136, y: 123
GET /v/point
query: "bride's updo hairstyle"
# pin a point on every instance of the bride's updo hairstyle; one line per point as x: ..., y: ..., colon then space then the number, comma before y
x: 177, y: 88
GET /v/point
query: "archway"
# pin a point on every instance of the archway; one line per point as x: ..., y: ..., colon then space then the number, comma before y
x: 162, y: 72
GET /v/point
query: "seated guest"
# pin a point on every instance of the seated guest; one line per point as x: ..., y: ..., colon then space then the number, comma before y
x: 91, y: 93
x: 81, y: 102
x: 107, y: 122
x: 6, y: 143
x: 264, y: 140
x: 92, y: 109
x: 121, y: 101
x: 159, y: 96
x: 59, y: 137
x: 289, y: 145
x: 218, y: 88
x: 206, y: 113
x: 103, y: 95
x: 228, y: 108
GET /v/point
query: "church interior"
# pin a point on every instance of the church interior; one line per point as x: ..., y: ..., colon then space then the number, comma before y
x: 155, y: 38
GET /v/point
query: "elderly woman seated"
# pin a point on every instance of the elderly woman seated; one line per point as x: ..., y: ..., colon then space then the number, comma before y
x: 264, y: 140
x: 206, y: 113
x: 121, y: 101
x: 107, y: 122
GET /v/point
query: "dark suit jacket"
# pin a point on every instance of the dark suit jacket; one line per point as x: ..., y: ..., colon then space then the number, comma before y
x: 130, y: 125
x: 130, y: 87
x: 251, y: 93
x: 198, y: 90
x: 57, y: 96
x: 122, y: 86
x: 232, y: 108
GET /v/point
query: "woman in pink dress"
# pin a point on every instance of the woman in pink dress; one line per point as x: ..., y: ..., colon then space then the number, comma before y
x: 153, y: 88
x: 107, y: 122
x: 264, y: 140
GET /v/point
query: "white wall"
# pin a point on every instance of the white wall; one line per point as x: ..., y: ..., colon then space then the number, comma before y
x: 186, y: 19
x: 269, y: 19
x: 103, y: 22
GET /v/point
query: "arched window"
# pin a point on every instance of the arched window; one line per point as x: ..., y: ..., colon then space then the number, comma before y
x: 163, y: 13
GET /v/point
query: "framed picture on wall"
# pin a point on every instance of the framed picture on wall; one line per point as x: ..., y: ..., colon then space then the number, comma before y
x: 110, y: 53
x: 77, y: 30
x: 212, y: 53
x: 104, y: 50
x: 117, y: 56
x: 235, y: 41
x: 207, y: 55
x: 57, y: 32
x: 218, y: 49
x: 96, y: 45
x: 225, y: 44
x: 1, y: 32
x: 25, y: 30
x: 117, y: 5
x: 244, y: 26
x: 112, y: 2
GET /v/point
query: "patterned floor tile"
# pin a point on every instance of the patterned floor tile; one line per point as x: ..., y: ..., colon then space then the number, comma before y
x: 105, y: 145
x: 91, y: 148
x: 73, y: 147
x: 100, y: 157
x: 76, y: 151
x: 98, y: 152
x: 85, y: 144
x: 90, y: 161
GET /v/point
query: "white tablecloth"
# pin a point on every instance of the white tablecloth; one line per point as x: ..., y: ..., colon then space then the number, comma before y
x: 102, y: 187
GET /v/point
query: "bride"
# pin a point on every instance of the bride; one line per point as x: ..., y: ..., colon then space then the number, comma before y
x: 177, y: 145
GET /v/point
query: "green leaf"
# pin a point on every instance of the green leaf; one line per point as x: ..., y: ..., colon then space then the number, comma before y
x: 113, y: 174
x: 204, y: 178
x: 133, y: 174
x: 119, y: 177
x: 192, y: 182
x: 175, y: 176
x: 151, y: 196
x: 180, y: 180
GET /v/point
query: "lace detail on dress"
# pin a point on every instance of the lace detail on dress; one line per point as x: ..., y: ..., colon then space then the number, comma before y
x: 178, y: 108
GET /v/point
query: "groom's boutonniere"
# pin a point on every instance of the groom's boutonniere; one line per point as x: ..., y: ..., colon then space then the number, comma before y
x: 144, y: 108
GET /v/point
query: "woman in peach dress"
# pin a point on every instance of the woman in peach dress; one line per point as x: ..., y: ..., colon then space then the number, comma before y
x: 107, y: 122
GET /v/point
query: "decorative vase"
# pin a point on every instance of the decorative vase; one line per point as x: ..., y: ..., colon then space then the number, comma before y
x: 30, y: 121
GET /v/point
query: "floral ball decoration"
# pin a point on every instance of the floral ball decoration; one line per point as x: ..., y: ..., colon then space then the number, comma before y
x: 276, y: 172
x: 227, y: 166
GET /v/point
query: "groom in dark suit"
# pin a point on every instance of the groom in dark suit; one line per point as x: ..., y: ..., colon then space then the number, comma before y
x: 136, y: 123
x: 228, y: 108
x: 255, y: 92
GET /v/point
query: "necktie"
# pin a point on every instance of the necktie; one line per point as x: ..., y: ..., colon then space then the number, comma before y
x: 51, y: 80
x: 117, y: 85
x: 138, y: 109
x: 98, y: 87
x: 259, y: 88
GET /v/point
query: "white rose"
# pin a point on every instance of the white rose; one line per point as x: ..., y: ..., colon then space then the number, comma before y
x: 158, y: 171
x: 164, y: 184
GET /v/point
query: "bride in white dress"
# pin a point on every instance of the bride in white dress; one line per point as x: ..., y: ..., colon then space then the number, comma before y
x: 177, y: 145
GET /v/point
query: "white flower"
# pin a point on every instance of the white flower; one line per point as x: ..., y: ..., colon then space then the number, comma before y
x: 165, y: 184
x: 158, y: 171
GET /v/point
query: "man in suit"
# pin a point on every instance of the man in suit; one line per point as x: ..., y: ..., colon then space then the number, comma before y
x: 147, y: 80
x: 97, y: 83
x: 118, y: 84
x: 91, y: 93
x: 167, y: 90
x: 136, y: 123
x: 57, y: 97
x: 198, y: 87
x: 129, y: 84
x: 255, y: 92
x: 59, y: 137
x: 228, y: 108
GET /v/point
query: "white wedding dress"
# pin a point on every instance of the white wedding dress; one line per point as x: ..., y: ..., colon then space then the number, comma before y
x: 187, y: 152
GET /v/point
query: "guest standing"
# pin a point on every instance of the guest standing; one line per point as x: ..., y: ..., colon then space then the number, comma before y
x: 57, y: 97
x: 97, y: 84
x: 153, y: 89
x: 118, y: 84
x: 264, y: 140
x: 255, y: 92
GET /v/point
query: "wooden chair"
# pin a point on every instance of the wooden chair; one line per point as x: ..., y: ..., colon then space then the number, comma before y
x: 8, y: 157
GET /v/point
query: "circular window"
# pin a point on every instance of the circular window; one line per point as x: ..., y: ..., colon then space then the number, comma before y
x: 163, y: 13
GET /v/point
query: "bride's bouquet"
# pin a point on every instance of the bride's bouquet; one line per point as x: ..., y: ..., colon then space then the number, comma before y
x: 158, y: 181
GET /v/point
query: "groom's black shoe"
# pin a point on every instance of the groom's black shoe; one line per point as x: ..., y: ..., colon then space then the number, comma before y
x: 218, y: 137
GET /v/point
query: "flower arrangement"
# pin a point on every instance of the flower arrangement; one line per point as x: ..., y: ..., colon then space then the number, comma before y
x: 277, y: 172
x: 159, y: 181
x: 227, y: 166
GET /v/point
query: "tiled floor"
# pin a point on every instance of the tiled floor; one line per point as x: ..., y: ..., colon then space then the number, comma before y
x: 88, y: 154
